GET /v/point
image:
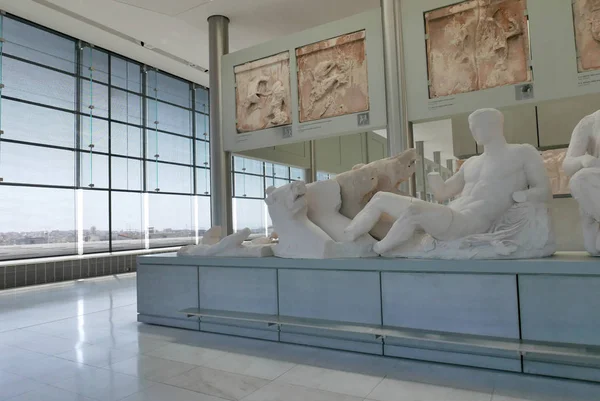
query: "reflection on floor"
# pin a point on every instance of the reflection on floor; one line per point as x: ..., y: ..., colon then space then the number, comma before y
x: 81, y: 341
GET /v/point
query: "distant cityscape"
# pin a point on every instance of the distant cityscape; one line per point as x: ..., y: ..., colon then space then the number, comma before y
x: 63, y: 242
x: 89, y: 235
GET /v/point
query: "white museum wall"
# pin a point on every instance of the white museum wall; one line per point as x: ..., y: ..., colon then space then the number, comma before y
x: 557, y: 119
x: 543, y: 125
x: 369, y: 21
x: 294, y: 154
x: 554, y: 62
x: 333, y: 155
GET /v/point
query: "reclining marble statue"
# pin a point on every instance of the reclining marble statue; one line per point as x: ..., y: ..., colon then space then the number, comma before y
x: 234, y: 245
x: 502, y: 210
x: 582, y: 164
x: 312, y: 226
x: 310, y: 219
x: 356, y: 191
x: 299, y: 236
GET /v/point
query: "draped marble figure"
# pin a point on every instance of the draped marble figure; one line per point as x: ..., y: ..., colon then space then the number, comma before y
x: 502, y: 200
x: 582, y: 164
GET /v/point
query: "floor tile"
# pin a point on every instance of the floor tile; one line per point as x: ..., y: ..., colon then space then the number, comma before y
x: 277, y: 391
x: 394, y: 390
x: 14, y: 337
x: 48, y: 370
x: 160, y: 333
x: 103, y: 384
x: 353, y: 362
x: 13, y: 356
x: 49, y: 345
x: 187, y: 354
x: 263, y: 368
x: 151, y: 368
x: 218, y: 383
x: 353, y: 384
x: 98, y: 356
x: 140, y: 345
x: 45, y: 331
x: 49, y: 393
x: 162, y: 392
x: 12, y: 385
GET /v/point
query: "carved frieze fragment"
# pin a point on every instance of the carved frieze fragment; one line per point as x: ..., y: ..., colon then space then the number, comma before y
x: 586, y: 14
x: 263, y: 98
x: 477, y: 44
x: 332, y: 77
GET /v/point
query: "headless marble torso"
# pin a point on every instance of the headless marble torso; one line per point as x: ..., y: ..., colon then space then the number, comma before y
x: 490, y: 181
x: 582, y: 164
x: 489, y: 185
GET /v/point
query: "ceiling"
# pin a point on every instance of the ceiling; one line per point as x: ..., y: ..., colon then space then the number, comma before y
x: 178, y: 29
x: 257, y: 21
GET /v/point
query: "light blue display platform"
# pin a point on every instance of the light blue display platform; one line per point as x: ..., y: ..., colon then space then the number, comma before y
x: 538, y: 317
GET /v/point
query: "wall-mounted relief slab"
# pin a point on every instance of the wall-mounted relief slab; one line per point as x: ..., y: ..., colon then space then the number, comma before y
x: 347, y: 47
x: 332, y: 77
x: 263, y: 98
x: 477, y: 44
x: 553, y: 161
x: 586, y: 15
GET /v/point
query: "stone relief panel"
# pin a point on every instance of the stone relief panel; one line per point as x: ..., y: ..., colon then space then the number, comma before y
x: 477, y: 44
x: 553, y: 161
x: 263, y: 97
x: 586, y: 14
x: 332, y: 77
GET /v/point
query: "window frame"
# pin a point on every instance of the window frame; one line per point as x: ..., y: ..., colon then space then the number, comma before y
x: 83, y: 75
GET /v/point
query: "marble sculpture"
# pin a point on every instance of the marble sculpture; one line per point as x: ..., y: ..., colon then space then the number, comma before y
x: 263, y: 98
x: 586, y: 14
x: 360, y: 184
x: 502, y: 211
x: 477, y: 44
x: 235, y: 245
x: 332, y: 77
x: 582, y: 164
x: 309, y: 218
x: 301, y: 238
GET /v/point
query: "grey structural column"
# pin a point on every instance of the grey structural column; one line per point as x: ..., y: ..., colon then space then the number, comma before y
x: 437, y: 159
x: 312, y: 170
x: 422, y: 190
x: 220, y: 166
x: 397, y: 122
x: 450, y: 166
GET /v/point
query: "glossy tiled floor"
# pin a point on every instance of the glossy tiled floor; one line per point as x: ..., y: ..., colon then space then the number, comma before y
x: 81, y: 341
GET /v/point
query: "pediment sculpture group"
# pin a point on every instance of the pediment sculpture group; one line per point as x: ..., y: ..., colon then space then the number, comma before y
x: 499, y: 206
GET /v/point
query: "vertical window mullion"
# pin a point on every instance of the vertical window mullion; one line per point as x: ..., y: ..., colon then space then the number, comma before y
x: 78, y: 115
x: 91, y: 109
x: 110, y: 231
x: 1, y: 84
x: 144, y: 129
x: 146, y: 202
x: 194, y: 144
x: 78, y: 164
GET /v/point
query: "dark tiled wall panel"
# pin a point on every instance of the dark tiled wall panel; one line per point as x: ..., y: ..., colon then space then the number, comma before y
x: 54, y: 272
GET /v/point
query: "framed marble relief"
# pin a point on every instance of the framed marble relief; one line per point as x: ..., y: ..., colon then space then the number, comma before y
x: 263, y: 96
x: 553, y: 161
x: 332, y: 77
x: 586, y: 18
x: 477, y: 44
